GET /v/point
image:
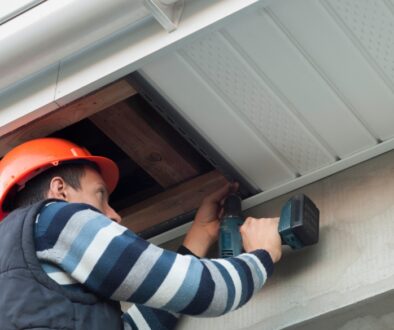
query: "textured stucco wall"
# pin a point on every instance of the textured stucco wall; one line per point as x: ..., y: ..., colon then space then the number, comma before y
x: 353, y: 262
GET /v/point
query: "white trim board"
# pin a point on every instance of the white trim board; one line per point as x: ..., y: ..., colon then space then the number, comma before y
x: 265, y: 196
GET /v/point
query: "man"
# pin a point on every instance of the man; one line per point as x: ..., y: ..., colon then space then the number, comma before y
x: 66, y: 262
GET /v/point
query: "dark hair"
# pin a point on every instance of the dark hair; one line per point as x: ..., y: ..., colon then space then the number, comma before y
x: 36, y: 189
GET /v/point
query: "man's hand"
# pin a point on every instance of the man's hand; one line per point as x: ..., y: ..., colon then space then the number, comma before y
x: 262, y: 234
x: 205, y: 229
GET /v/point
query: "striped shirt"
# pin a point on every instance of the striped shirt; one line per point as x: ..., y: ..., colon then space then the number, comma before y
x: 81, y: 248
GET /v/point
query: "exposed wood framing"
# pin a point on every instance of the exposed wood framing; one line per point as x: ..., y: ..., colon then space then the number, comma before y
x: 67, y: 115
x: 144, y: 137
x: 171, y: 203
x: 126, y: 126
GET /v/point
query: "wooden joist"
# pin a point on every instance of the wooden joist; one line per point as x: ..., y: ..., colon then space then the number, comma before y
x: 68, y: 114
x: 171, y: 203
x: 144, y: 137
x: 145, y: 144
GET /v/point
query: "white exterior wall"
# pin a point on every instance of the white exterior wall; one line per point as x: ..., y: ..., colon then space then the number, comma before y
x: 351, y: 264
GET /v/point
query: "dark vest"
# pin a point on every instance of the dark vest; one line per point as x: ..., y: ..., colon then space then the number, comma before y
x: 29, y: 299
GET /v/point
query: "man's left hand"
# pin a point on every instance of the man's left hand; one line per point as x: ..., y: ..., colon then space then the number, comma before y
x: 205, y: 228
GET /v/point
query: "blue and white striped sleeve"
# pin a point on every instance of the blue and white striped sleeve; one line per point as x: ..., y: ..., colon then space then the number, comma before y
x: 142, y: 317
x: 115, y: 263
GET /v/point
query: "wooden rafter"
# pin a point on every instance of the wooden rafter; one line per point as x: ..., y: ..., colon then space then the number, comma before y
x: 171, y: 203
x: 144, y: 139
x: 135, y: 135
x: 68, y: 114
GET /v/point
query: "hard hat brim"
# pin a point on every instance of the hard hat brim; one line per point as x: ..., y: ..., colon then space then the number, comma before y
x: 108, y: 170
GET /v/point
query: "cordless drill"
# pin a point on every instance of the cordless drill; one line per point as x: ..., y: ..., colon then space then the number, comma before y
x: 298, y: 224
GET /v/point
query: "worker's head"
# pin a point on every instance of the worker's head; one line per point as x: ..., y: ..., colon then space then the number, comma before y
x: 56, y: 168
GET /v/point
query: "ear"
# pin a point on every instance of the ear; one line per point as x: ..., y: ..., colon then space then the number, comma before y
x: 58, y: 188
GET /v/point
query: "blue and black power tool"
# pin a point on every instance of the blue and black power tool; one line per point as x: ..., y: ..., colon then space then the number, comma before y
x: 298, y: 224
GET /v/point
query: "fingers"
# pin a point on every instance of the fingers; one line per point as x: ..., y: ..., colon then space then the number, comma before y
x: 262, y: 234
x: 269, y: 222
x: 219, y: 195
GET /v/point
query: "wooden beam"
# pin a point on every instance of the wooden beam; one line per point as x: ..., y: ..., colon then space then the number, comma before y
x: 171, y: 203
x: 139, y: 137
x: 68, y: 114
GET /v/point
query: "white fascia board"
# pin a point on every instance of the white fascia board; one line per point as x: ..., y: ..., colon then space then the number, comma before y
x: 101, y: 63
x: 28, y: 100
x: 129, y: 50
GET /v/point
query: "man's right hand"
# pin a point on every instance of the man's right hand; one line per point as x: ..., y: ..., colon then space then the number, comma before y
x: 262, y: 234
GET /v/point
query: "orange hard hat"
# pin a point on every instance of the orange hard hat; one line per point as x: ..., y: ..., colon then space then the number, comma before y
x: 33, y: 157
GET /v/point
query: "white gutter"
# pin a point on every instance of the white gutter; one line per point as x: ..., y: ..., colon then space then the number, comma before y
x: 56, y: 29
x: 64, y: 49
x: 9, y: 10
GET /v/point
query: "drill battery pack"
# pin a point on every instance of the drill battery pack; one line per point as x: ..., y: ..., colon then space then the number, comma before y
x: 299, y: 222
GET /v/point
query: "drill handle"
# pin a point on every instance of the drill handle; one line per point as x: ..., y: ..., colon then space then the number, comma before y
x: 230, y: 241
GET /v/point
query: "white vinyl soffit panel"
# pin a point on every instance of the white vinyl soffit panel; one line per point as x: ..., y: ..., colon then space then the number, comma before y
x: 290, y: 93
